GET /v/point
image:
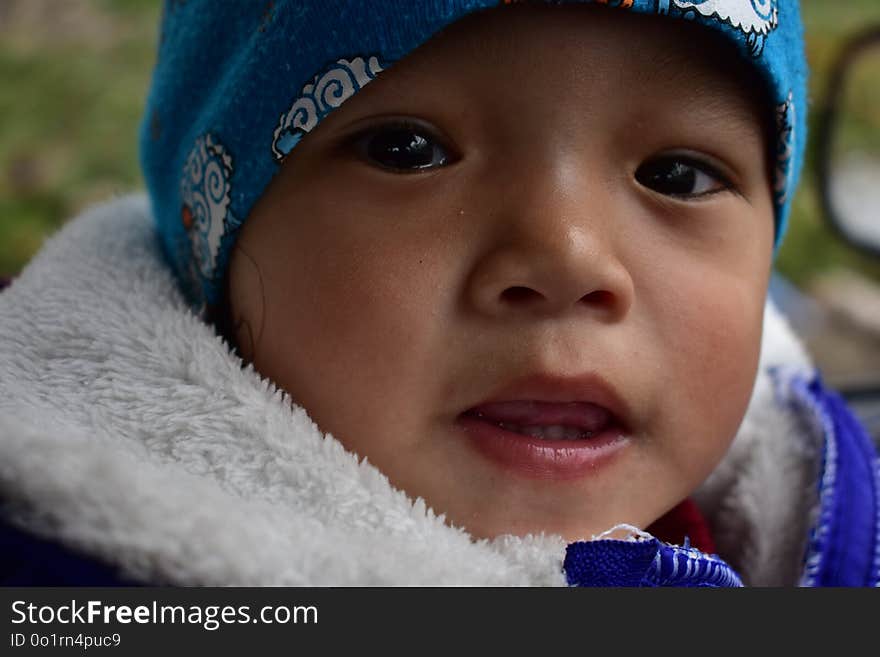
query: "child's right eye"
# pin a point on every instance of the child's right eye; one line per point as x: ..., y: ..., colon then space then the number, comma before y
x: 680, y: 176
x: 402, y: 147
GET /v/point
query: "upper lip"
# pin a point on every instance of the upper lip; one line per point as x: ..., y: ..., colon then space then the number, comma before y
x: 544, y: 387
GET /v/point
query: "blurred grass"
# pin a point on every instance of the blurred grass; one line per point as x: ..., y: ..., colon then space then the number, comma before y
x: 75, y: 76
x: 861, y: 100
x: 810, y: 247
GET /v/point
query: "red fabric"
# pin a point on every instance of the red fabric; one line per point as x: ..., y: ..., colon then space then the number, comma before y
x: 684, y: 520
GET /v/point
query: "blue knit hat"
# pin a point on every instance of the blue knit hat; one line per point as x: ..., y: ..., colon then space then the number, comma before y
x: 237, y: 85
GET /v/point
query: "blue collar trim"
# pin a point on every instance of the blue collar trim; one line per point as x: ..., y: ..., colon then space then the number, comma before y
x: 644, y: 562
x: 844, y: 544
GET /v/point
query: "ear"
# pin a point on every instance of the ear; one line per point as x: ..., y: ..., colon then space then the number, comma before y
x: 244, y: 302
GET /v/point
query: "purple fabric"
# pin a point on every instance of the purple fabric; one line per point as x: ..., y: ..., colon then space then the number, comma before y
x: 4, y: 282
x: 644, y: 563
x: 844, y: 547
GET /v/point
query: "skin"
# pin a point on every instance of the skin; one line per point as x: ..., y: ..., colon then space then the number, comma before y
x: 387, y: 303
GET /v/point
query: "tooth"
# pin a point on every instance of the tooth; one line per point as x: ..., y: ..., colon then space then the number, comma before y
x: 535, y: 432
x: 556, y: 432
x: 571, y: 433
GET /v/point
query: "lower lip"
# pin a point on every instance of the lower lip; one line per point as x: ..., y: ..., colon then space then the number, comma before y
x: 543, y: 459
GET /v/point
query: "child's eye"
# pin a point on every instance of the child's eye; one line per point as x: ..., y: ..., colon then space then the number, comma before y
x: 402, y: 147
x: 681, y: 176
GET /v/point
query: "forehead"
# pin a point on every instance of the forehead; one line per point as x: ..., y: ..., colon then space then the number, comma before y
x: 584, y: 49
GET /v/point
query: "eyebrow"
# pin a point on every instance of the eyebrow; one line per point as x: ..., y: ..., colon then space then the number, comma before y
x: 733, y: 96
x: 730, y: 116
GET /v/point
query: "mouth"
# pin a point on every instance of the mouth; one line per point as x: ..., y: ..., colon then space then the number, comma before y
x: 546, y: 420
x: 551, y: 429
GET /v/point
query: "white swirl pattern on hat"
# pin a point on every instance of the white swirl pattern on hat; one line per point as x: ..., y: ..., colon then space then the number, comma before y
x: 205, y: 192
x: 750, y: 16
x: 326, y: 92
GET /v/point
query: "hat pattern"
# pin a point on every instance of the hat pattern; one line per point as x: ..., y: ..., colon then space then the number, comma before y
x: 785, y: 122
x: 327, y: 91
x: 755, y: 18
x: 205, y: 192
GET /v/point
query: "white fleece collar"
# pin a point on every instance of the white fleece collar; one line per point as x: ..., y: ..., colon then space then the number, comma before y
x: 128, y: 430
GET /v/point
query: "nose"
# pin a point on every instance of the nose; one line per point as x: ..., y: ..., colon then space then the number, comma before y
x: 553, y: 253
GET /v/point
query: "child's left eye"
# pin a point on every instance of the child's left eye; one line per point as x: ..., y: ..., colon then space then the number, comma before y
x: 681, y: 177
x: 402, y: 147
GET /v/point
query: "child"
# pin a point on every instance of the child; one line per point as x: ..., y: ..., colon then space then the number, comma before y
x: 514, y: 262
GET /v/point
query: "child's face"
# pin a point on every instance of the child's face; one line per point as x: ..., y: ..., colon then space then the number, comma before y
x: 605, y: 214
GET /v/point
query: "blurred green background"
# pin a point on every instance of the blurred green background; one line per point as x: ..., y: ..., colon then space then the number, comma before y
x: 75, y: 75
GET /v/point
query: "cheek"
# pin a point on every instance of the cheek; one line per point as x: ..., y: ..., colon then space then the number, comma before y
x: 724, y: 348
x: 349, y: 317
x: 712, y: 346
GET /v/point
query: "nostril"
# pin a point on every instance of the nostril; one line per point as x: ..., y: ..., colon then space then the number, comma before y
x: 598, y: 298
x: 519, y: 294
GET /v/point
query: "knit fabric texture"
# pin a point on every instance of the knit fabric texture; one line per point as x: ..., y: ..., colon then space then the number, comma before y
x: 645, y: 563
x: 238, y: 84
